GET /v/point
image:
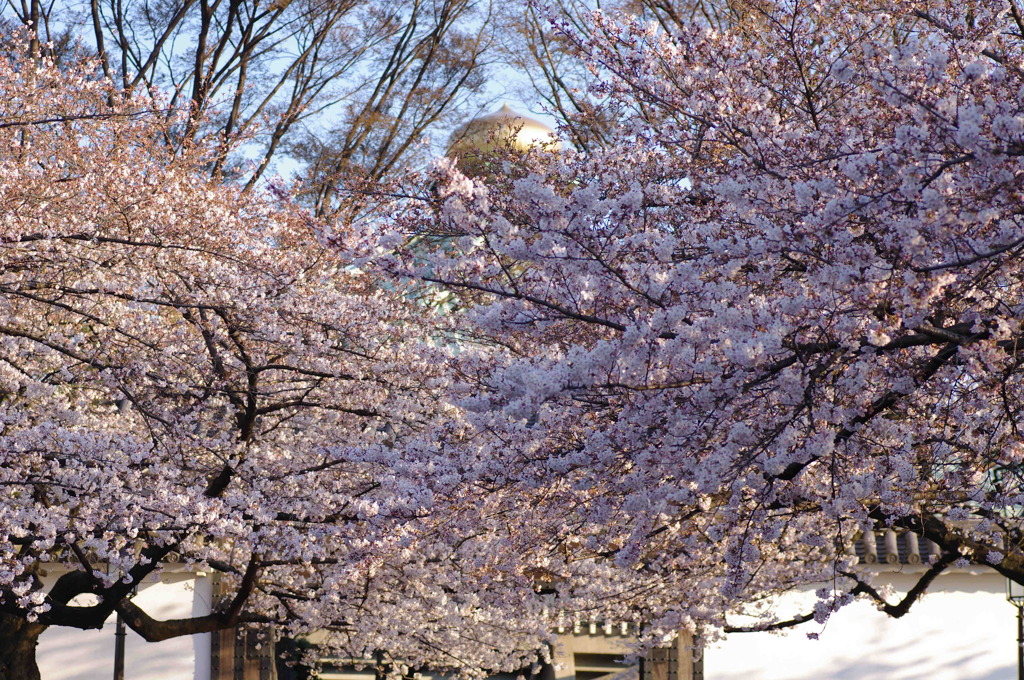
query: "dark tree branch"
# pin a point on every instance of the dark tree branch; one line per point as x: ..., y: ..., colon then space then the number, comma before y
x: 862, y: 588
x: 913, y: 595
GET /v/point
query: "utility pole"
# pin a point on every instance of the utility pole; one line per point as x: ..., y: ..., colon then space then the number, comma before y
x: 119, y: 636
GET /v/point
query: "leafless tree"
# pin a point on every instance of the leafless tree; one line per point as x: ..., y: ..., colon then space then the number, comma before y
x: 348, y: 86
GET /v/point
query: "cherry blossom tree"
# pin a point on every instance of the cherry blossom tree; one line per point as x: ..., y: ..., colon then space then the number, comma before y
x: 188, y: 375
x: 779, y: 308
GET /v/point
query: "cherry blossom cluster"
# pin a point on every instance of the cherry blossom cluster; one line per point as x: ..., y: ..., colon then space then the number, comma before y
x: 779, y: 309
x: 189, y: 376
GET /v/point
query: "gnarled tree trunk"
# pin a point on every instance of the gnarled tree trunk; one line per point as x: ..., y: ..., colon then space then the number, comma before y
x: 18, y: 640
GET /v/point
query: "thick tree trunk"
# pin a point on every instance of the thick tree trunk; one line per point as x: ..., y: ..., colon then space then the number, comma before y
x: 18, y: 640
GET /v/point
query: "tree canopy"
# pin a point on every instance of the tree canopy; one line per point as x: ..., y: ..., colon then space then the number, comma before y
x: 777, y: 308
x: 770, y: 303
x: 187, y: 374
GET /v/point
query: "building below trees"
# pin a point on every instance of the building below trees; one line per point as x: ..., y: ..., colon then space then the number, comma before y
x: 963, y: 628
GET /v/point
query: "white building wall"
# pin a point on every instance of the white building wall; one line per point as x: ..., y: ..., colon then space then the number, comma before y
x: 963, y: 629
x: 71, y: 654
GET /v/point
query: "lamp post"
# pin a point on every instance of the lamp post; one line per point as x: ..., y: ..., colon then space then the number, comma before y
x: 1015, y: 596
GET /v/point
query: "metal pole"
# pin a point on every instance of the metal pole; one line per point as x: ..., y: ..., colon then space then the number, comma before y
x: 120, y: 634
x: 1020, y: 643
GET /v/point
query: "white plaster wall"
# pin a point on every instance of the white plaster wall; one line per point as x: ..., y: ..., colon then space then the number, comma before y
x: 962, y: 630
x: 71, y: 654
